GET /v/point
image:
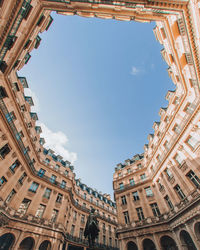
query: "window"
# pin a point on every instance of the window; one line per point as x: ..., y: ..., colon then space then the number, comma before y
x: 123, y: 198
x: 168, y: 201
x: 155, y: 209
x: 129, y: 171
x: 149, y: 192
x: 24, y: 206
x: 53, y: 178
x: 23, y: 108
x: 84, y: 196
x: 121, y: 185
x: 10, y: 196
x: 14, y: 166
x: 4, y: 151
x: 81, y: 233
x: 33, y: 188
x: 47, y: 161
x: 140, y: 213
x: 72, y: 229
x: 41, y: 172
x: 57, y: 167
x: 168, y: 173
x: 22, y: 178
x: 91, y: 199
x: 54, y: 215
x: 131, y: 182
x: 2, y: 181
x: 179, y: 158
x: 104, y: 239
x: 195, y: 179
x: 135, y: 196
x: 179, y: 192
x: 193, y: 141
x: 66, y: 172
x: 59, y: 198
x: 143, y: 177
x: 84, y: 204
x: 75, y: 215
x: 82, y: 218
x: 110, y: 241
x: 40, y: 211
x: 47, y: 193
x: 104, y: 228
x: 126, y: 217
x: 63, y: 184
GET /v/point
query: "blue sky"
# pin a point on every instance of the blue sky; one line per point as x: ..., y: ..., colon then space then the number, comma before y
x: 98, y: 86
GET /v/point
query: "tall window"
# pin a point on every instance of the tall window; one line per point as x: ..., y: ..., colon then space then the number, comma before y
x: 168, y: 173
x: 121, y: 185
x: 104, y: 239
x: 14, y: 166
x: 82, y: 218
x: 143, y: 177
x: 47, y: 193
x: 2, y: 180
x: 123, y: 198
x: 179, y: 158
x: 10, y: 196
x: 63, y: 184
x: 59, y: 198
x: 40, y: 211
x: 84, y: 196
x: 24, y: 206
x: 135, y: 196
x: 140, y: 213
x: 4, y: 151
x: 155, y: 209
x: 131, y: 182
x: 179, y: 192
x: 57, y: 167
x: 22, y: 178
x: 75, y: 215
x: 193, y: 141
x: 126, y: 217
x: 41, y: 172
x: 195, y: 179
x: 54, y: 215
x: 53, y: 178
x: 168, y: 201
x: 81, y: 233
x: 148, y: 191
x: 110, y: 241
x: 104, y: 228
x: 33, y: 188
x: 72, y: 229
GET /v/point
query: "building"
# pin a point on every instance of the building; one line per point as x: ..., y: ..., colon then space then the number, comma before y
x: 157, y: 192
x: 43, y: 205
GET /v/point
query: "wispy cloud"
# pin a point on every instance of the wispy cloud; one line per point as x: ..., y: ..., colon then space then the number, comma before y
x: 135, y: 71
x: 57, y: 141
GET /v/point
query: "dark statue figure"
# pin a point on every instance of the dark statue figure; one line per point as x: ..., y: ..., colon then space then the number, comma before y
x: 92, y: 228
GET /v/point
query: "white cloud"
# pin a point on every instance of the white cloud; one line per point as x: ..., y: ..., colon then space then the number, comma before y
x: 57, y: 142
x: 29, y: 92
x: 135, y: 71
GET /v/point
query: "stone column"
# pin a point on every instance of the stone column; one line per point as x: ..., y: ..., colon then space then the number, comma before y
x: 18, y: 241
x: 193, y: 236
x: 178, y: 242
x: 157, y: 241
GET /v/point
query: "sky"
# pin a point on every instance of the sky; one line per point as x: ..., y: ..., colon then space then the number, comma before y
x: 97, y: 86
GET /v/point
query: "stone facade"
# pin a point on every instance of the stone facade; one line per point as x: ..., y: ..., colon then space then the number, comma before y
x: 42, y: 205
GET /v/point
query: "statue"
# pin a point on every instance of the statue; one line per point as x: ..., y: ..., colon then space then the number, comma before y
x: 91, y: 228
